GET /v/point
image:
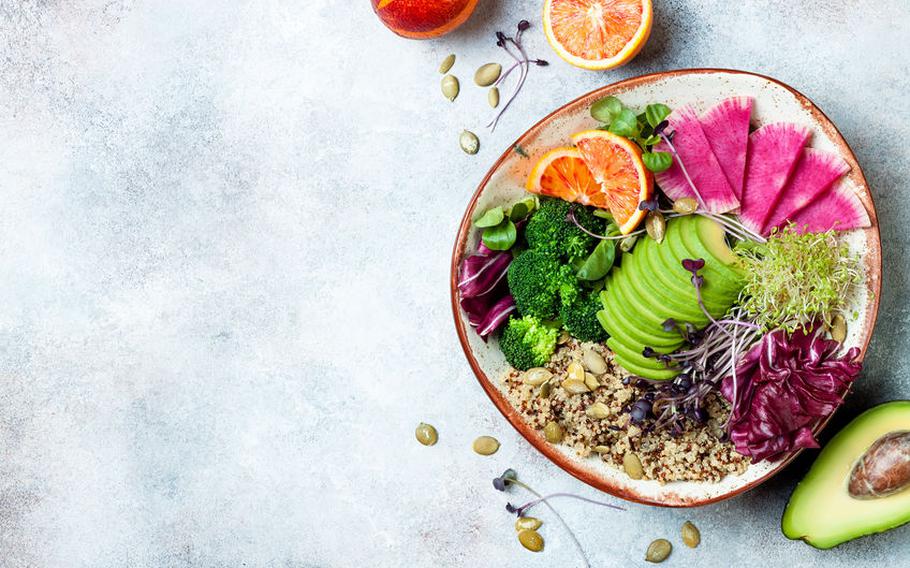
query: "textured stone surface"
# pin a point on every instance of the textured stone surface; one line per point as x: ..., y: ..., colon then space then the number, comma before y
x: 224, y: 249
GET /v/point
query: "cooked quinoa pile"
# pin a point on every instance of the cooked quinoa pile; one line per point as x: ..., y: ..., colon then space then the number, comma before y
x: 592, y: 417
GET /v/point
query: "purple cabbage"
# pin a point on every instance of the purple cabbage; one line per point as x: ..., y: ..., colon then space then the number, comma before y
x: 782, y: 388
x: 484, y: 292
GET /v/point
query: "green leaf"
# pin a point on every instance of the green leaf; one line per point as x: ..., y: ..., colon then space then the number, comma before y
x: 651, y: 140
x: 656, y: 114
x: 606, y: 109
x: 625, y: 124
x: 490, y: 218
x: 523, y: 208
x: 599, y: 263
x: 657, y: 161
x: 603, y: 214
x: 500, y: 237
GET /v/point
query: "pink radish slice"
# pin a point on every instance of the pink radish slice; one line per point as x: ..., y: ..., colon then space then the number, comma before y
x: 838, y: 208
x: 699, y: 161
x: 815, y: 172
x: 774, y: 150
x: 726, y: 126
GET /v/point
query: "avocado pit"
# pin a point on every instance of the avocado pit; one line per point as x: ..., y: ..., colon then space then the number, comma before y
x: 884, y: 469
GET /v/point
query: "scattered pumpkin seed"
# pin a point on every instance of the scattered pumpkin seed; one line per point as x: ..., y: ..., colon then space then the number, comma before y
x: 656, y: 225
x: 493, y: 97
x: 839, y: 328
x: 426, y: 434
x: 447, y: 63
x: 691, y: 536
x: 469, y: 142
x: 487, y: 74
x: 531, y: 540
x: 545, y: 390
x: 631, y: 463
x: 574, y: 386
x: 536, y: 376
x: 598, y: 410
x: 659, y: 550
x: 486, y: 445
x: 553, y: 432
x: 602, y: 449
x: 450, y: 87
x: 575, y: 371
x: 685, y: 205
x: 594, y: 362
x: 527, y: 524
x: 591, y: 381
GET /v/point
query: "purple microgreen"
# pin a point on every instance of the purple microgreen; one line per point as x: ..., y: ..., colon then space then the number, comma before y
x: 648, y: 205
x: 523, y: 25
x: 502, y: 482
x: 661, y: 126
x: 522, y: 62
x: 669, y: 325
x: 520, y: 511
x: 511, y: 508
x: 541, y: 62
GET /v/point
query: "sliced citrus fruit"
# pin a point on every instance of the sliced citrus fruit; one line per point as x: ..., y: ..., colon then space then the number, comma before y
x: 597, y: 34
x: 562, y: 173
x: 615, y: 162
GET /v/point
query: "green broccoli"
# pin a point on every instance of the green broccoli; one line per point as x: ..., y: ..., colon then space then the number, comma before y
x: 580, y: 318
x: 549, y: 230
x: 538, y: 282
x: 527, y: 343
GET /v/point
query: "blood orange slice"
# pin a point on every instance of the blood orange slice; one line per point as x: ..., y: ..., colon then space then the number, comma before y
x: 562, y: 173
x: 615, y: 162
x: 597, y: 34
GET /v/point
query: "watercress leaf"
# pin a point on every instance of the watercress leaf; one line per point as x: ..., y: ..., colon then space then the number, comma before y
x: 656, y: 113
x: 603, y: 214
x: 657, y: 161
x: 625, y: 124
x: 652, y: 140
x: 605, y: 109
x: 599, y: 263
x: 523, y: 208
x: 500, y: 237
x: 490, y: 218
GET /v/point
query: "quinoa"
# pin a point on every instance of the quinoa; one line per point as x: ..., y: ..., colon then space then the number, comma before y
x: 695, y: 455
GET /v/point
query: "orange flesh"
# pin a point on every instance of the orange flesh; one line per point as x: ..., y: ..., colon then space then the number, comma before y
x: 595, y: 29
x: 615, y: 171
x: 568, y: 178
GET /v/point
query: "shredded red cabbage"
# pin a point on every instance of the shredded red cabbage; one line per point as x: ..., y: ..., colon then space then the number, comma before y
x: 484, y: 292
x: 782, y: 388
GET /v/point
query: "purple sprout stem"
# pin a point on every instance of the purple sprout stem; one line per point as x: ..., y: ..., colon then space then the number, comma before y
x: 601, y: 237
x: 553, y: 510
x: 685, y: 172
x: 524, y: 508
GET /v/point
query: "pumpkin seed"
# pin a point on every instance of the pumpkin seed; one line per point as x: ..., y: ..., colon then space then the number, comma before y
x: 685, y: 205
x: 493, y: 97
x: 531, y: 540
x: 691, y: 536
x: 575, y: 371
x: 553, y: 432
x: 594, y: 362
x: 659, y: 550
x: 602, y: 449
x: 527, y: 524
x: 447, y: 63
x: 487, y: 74
x: 545, y: 390
x: 486, y: 445
x: 839, y: 329
x: 536, y: 376
x: 632, y: 465
x: 574, y: 386
x: 627, y: 243
x: 598, y: 410
x: 426, y: 434
x: 563, y: 338
x: 656, y: 225
x: 469, y: 142
x: 591, y: 381
x: 450, y: 87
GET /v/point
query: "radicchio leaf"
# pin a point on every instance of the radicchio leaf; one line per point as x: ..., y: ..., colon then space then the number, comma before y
x: 484, y: 293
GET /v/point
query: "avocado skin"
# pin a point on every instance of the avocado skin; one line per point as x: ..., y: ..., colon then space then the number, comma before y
x: 825, y: 485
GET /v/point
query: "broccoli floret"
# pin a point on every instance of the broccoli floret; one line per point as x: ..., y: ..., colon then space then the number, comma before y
x: 550, y: 230
x: 580, y: 318
x: 537, y: 281
x: 527, y: 343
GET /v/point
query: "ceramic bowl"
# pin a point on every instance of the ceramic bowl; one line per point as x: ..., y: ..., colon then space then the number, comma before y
x: 503, y: 184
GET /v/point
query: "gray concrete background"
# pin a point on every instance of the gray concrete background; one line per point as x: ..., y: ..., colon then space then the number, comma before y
x: 225, y: 231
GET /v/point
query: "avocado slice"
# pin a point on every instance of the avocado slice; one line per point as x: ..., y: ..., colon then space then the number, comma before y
x: 617, y: 321
x: 705, y: 238
x: 821, y: 511
x: 635, y: 368
x: 647, y: 311
x: 666, y: 283
x: 721, y: 285
x: 628, y: 353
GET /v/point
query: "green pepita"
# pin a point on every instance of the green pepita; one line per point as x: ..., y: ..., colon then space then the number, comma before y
x: 531, y: 540
x: 685, y: 205
x: 545, y: 390
x: 574, y: 386
x: 536, y: 376
x: 691, y: 536
x: 594, y: 362
x: 469, y: 142
x: 450, y: 87
x: 839, y: 328
x: 527, y: 524
x: 447, y: 63
x: 486, y: 445
x: 659, y: 550
x: 631, y: 463
x: 426, y: 434
x: 598, y: 411
x: 554, y: 432
x: 493, y: 97
x: 487, y: 74
x: 627, y: 243
x: 656, y: 225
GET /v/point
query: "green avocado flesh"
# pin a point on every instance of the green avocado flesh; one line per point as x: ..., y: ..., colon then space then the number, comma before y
x: 652, y: 286
x: 821, y: 511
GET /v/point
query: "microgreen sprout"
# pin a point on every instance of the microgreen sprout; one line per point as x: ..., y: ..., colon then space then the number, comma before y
x: 512, y: 46
x: 611, y: 228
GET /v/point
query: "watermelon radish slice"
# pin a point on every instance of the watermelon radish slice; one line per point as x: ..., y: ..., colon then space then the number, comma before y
x: 726, y: 126
x: 815, y: 172
x: 774, y: 150
x: 699, y: 161
x: 839, y: 208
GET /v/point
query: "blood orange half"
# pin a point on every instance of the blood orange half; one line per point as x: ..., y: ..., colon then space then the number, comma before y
x: 562, y: 173
x: 597, y: 34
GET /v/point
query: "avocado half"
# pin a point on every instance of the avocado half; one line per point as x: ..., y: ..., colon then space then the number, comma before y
x: 821, y: 510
